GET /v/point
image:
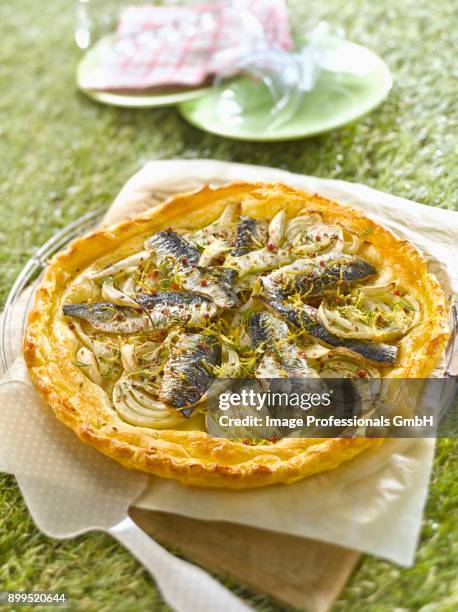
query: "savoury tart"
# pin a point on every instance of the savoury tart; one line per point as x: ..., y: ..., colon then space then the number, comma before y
x: 132, y: 323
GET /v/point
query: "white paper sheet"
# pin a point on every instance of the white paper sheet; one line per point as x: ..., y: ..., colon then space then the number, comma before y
x: 373, y: 503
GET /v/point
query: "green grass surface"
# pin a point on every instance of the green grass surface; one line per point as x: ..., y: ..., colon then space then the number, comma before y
x: 61, y: 155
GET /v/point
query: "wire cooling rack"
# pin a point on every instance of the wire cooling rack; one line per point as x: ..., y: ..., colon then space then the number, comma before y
x: 20, y: 298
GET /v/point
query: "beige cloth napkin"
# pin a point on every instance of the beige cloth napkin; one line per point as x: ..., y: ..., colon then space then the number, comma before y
x: 373, y: 503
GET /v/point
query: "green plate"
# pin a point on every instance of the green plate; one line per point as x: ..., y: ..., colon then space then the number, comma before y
x: 336, y: 100
x: 164, y: 97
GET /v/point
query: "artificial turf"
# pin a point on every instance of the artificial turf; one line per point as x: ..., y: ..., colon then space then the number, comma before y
x: 62, y: 155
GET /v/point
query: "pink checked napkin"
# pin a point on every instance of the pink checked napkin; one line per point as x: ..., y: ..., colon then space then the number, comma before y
x: 157, y: 46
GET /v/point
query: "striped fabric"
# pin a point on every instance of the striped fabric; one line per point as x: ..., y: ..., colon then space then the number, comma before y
x: 163, y: 46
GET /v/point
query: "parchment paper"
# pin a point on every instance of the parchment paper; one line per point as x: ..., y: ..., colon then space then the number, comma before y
x: 373, y: 503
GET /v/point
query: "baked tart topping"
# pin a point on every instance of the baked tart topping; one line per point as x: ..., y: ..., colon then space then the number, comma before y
x: 371, y: 312
x: 305, y: 296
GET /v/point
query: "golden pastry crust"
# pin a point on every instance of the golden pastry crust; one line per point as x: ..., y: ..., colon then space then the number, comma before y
x: 193, y: 457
